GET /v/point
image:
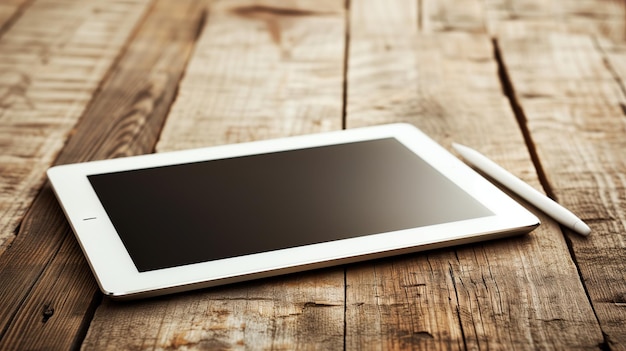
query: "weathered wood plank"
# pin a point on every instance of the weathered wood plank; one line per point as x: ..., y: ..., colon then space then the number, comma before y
x: 51, y: 61
x: 576, y: 118
x: 522, y: 292
x: 52, y: 291
x: 258, y: 71
x: 54, y: 314
x: 261, y: 71
x: 527, y: 17
x: 303, y: 311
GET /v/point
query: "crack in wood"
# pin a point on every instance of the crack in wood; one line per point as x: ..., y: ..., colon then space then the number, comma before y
x: 509, y: 91
x: 458, y: 307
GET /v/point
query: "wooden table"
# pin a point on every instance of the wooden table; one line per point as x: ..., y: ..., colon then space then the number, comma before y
x: 539, y: 86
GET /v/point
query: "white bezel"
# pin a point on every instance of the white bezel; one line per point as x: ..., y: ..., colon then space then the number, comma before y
x: 116, y: 273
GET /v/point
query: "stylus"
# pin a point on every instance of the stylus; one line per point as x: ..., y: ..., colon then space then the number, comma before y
x: 542, y: 202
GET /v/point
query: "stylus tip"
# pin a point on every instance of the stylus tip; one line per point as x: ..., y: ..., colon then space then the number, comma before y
x: 582, y: 228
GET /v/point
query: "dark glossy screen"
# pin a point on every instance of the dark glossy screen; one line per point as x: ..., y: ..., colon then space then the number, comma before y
x: 176, y: 215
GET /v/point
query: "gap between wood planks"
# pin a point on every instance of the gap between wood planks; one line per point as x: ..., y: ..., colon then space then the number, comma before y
x: 344, y: 123
x: 346, y: 56
x: 456, y: 293
x: 509, y: 91
x: 345, y: 305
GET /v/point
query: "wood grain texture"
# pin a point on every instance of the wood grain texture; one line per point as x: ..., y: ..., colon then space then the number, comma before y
x: 83, y: 80
x: 614, y: 52
x: 51, y: 62
x: 54, y: 313
x: 56, y: 291
x: 520, y: 293
x: 258, y: 71
x: 261, y: 70
x: 602, y: 18
x: 576, y: 117
x: 301, y: 311
x: 10, y: 10
x: 445, y: 16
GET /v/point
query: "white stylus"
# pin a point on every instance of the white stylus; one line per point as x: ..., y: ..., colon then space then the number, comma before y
x: 542, y: 202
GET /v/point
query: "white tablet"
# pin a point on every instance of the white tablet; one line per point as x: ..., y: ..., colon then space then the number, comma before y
x: 169, y: 222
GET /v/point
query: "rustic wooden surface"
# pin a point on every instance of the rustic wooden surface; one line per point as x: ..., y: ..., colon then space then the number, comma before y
x: 539, y: 86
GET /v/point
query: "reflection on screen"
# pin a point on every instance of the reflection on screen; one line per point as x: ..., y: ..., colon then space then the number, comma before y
x: 177, y: 215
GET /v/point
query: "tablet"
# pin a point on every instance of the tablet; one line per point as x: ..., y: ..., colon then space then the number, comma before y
x: 169, y: 222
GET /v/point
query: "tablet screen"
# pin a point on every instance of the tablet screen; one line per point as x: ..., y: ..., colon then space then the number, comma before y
x: 189, y: 213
